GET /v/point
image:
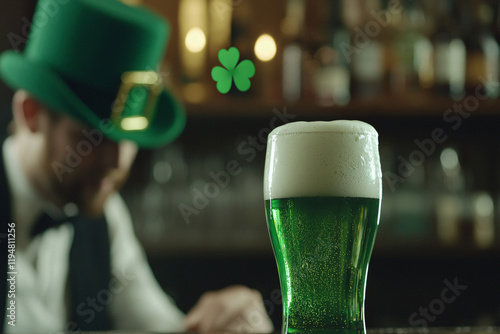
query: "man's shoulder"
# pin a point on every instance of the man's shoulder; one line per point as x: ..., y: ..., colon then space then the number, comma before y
x: 114, y: 203
x: 124, y: 243
x: 117, y: 213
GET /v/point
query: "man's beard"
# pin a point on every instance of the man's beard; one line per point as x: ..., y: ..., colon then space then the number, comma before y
x: 87, y: 184
x: 89, y: 191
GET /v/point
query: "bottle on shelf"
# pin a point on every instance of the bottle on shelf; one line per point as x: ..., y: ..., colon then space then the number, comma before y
x: 366, y: 52
x: 332, y: 76
x: 413, y: 72
x: 483, y: 215
x: 483, y: 51
x: 464, y: 210
x: 452, y: 206
x: 449, y: 51
x: 292, y: 27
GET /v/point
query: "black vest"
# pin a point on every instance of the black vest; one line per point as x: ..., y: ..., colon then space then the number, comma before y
x: 89, y: 267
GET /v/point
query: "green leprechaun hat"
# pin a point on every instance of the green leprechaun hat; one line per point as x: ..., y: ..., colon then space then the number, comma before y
x: 96, y: 60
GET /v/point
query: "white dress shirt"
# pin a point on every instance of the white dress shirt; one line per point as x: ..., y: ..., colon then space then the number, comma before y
x: 134, y: 299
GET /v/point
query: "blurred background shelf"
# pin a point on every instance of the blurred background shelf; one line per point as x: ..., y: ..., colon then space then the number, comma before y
x: 383, y: 106
x: 399, y: 65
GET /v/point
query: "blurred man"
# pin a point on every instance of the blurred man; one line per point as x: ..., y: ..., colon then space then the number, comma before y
x: 87, y: 97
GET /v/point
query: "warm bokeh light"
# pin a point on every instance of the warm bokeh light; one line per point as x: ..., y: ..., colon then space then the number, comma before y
x: 265, y: 47
x: 135, y: 123
x: 195, y: 40
x: 193, y: 28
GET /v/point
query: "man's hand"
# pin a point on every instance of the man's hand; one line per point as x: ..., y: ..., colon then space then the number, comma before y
x: 236, y: 308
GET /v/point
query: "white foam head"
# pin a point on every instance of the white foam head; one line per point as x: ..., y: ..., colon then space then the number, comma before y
x: 337, y: 158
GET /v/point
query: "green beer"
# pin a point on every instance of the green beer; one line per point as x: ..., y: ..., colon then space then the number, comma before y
x: 334, y: 254
x: 322, y: 191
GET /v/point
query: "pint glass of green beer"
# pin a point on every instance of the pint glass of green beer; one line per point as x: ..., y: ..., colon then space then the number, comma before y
x: 322, y: 191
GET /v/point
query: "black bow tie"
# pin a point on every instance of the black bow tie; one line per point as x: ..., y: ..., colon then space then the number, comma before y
x: 46, y: 222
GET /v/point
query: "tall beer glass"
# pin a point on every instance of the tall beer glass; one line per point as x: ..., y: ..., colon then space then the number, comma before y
x: 322, y: 191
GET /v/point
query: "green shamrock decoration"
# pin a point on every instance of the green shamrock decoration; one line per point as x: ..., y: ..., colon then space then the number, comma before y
x: 241, y: 73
